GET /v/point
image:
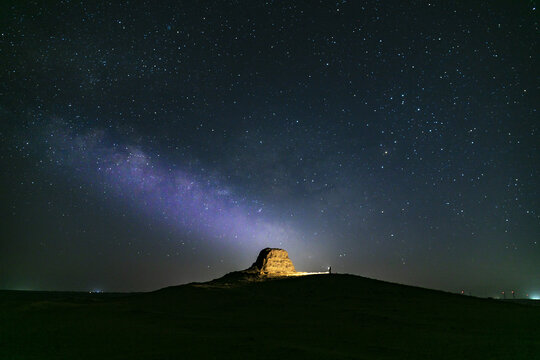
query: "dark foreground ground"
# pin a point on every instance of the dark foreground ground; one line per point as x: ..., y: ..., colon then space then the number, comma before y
x: 312, y: 317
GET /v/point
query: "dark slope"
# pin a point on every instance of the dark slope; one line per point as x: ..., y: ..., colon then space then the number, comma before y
x: 312, y: 317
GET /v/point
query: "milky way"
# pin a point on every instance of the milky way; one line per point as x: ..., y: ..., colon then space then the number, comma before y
x: 188, y: 201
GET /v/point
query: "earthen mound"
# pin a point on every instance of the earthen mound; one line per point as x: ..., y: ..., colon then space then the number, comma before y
x: 272, y: 262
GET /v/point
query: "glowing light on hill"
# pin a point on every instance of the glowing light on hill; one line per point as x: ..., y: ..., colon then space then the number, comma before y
x: 300, y: 273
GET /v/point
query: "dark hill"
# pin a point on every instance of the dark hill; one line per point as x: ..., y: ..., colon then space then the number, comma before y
x: 310, y: 317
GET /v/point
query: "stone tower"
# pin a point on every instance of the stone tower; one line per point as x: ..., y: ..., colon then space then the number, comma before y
x: 273, y: 262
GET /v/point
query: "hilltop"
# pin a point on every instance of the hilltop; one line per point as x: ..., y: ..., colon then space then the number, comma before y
x: 306, y: 317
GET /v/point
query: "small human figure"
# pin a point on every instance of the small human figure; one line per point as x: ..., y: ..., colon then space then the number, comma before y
x: 329, y: 269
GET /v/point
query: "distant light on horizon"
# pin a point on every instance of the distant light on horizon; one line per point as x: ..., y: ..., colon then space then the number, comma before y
x: 22, y: 288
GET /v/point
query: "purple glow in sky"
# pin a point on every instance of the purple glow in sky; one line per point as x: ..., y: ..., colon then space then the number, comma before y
x: 190, y: 202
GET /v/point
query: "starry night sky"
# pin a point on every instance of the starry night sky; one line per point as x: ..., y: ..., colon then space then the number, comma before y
x: 147, y: 144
